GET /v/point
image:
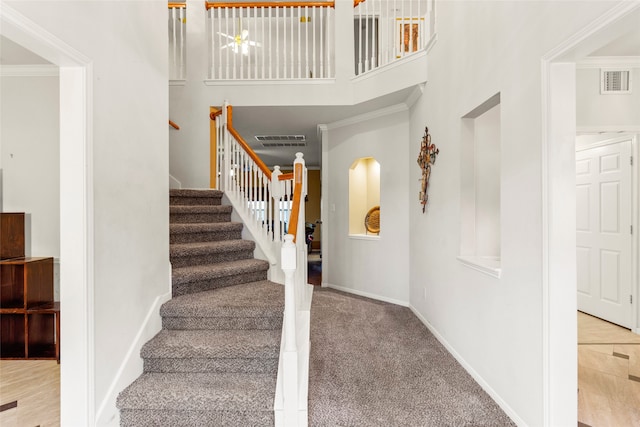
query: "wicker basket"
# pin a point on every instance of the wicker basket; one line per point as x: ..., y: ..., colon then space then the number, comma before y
x: 372, y: 220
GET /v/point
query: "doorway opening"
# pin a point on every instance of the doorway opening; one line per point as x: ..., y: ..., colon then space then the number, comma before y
x: 76, y: 219
x: 559, y: 208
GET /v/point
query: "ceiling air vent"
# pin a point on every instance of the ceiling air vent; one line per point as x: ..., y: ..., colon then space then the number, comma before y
x: 615, y: 81
x: 282, y: 140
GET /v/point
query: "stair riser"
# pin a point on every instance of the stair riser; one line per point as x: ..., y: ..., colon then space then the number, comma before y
x: 199, y: 218
x: 219, y: 282
x: 155, y: 418
x: 244, y: 366
x: 195, y: 201
x: 212, y: 258
x: 216, y: 236
x: 222, y: 323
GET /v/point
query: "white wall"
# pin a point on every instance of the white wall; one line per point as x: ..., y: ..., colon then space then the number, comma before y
x: 30, y: 158
x: 488, y: 183
x: 596, y: 110
x: 127, y: 44
x: 494, y: 326
x: 372, y: 266
x: 29, y: 134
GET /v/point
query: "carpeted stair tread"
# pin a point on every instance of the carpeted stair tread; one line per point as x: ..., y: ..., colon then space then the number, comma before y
x: 189, y: 232
x: 258, y: 299
x: 213, y: 365
x: 195, y: 192
x: 203, y: 248
x: 191, y: 193
x: 178, y: 418
x: 199, y: 209
x: 203, y: 213
x: 196, y: 273
x: 228, y: 344
x: 207, y: 227
x: 200, y: 391
x: 195, y: 197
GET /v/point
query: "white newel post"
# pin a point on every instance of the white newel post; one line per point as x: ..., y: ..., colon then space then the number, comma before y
x: 276, y: 194
x: 290, y: 354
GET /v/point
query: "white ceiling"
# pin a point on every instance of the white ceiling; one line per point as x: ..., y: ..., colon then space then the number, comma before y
x: 297, y: 120
x: 300, y: 120
x: 626, y: 45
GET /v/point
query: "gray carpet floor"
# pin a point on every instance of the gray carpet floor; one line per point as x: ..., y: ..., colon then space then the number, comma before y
x: 375, y: 364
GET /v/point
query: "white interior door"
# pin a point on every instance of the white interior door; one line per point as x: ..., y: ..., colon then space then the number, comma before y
x: 603, y: 231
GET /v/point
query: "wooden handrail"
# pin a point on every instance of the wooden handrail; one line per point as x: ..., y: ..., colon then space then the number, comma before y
x: 173, y: 125
x: 286, y: 176
x: 218, y: 5
x: 215, y: 114
x: 295, y: 205
x: 357, y: 2
x: 176, y: 5
x: 244, y: 144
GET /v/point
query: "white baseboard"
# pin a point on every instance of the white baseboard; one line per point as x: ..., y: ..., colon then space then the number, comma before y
x: 131, y: 367
x: 485, y: 386
x: 366, y: 294
x: 173, y: 182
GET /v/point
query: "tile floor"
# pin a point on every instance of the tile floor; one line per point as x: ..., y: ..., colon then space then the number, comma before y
x: 608, y: 374
x: 608, y: 381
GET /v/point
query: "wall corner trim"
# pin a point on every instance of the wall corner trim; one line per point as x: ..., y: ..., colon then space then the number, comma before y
x: 366, y: 294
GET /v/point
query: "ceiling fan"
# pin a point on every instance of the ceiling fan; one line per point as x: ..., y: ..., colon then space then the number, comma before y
x: 240, y: 42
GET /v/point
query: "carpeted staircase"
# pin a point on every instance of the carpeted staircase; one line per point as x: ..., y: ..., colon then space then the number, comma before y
x: 215, y: 361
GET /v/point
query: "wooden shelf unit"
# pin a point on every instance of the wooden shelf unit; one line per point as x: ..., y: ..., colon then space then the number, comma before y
x: 11, y: 235
x: 29, y: 317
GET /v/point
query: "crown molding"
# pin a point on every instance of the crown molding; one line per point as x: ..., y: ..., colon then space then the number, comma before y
x: 34, y: 70
x: 415, y: 95
x: 609, y: 62
x: 368, y: 116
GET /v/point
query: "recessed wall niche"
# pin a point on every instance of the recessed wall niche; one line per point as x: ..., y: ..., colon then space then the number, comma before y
x: 480, y: 188
x: 364, y: 193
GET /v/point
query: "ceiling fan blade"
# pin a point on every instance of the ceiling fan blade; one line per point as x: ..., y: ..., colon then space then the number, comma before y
x: 227, y: 36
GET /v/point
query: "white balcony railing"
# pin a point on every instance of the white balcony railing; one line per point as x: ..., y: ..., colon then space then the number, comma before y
x: 389, y: 30
x: 270, y: 41
x: 177, y: 41
x: 296, y: 40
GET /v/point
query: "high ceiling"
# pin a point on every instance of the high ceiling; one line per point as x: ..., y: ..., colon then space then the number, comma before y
x: 283, y: 120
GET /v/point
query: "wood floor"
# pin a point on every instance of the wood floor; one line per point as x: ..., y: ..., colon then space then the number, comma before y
x: 608, y: 381
x: 30, y: 389
x: 608, y: 374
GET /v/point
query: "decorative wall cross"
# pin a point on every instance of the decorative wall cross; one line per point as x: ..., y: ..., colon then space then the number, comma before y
x: 426, y: 158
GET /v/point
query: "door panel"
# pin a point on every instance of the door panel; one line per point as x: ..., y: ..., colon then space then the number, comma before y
x: 603, y: 232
